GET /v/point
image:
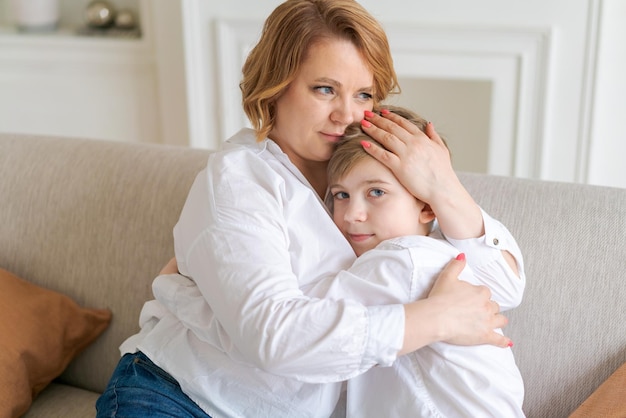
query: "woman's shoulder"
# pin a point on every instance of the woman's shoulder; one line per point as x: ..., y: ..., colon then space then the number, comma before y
x: 242, y: 143
x: 238, y: 152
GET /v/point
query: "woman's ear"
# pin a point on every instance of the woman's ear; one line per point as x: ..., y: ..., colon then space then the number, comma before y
x: 427, y: 215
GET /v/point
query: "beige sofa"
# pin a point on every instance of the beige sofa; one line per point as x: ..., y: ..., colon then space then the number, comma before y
x: 93, y: 220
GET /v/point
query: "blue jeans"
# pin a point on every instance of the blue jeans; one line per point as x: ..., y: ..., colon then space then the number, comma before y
x: 139, y: 388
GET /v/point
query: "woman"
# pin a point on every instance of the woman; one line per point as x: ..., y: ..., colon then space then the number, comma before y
x: 241, y: 337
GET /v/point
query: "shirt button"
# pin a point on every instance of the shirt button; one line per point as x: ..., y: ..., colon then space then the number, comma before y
x: 496, y: 241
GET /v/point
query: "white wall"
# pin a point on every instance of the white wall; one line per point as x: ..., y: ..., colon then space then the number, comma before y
x: 546, y: 76
x: 551, y: 66
x: 607, y: 146
x: 66, y: 85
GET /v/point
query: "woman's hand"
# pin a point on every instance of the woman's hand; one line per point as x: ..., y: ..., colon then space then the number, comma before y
x: 170, y: 268
x: 470, y: 316
x: 455, y: 312
x: 421, y: 161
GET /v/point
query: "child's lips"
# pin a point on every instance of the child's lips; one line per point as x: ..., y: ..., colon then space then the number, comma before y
x: 359, y: 237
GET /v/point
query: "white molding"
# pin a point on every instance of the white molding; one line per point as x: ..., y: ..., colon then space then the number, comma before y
x: 585, y: 125
x: 515, y: 60
x: 196, y: 71
x: 234, y: 41
x: 66, y: 49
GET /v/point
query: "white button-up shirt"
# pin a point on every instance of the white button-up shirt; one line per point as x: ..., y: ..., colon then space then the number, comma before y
x: 440, y: 380
x: 241, y: 334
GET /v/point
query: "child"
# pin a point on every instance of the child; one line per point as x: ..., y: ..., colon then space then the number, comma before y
x: 399, y: 259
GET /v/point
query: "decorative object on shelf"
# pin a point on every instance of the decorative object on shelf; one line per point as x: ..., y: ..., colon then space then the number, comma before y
x: 103, y: 20
x: 99, y: 14
x: 36, y: 15
x: 125, y: 19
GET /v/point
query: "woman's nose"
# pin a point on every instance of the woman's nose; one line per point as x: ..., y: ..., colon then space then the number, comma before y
x: 345, y: 113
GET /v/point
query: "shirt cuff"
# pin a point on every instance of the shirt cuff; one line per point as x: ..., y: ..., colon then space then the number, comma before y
x: 487, y: 248
x: 385, y: 336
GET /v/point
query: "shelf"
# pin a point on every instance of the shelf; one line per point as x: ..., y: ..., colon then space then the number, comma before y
x: 72, y: 24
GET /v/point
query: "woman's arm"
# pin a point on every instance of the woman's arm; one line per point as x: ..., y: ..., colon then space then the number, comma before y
x: 393, y: 273
x: 434, y: 319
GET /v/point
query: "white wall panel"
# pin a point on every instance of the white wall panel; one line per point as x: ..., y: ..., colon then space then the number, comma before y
x: 98, y: 89
x: 605, y: 151
x: 553, y: 70
x: 513, y: 60
x: 62, y: 84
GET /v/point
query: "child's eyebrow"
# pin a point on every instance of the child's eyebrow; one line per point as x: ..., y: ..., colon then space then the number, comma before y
x: 369, y: 181
x: 377, y: 181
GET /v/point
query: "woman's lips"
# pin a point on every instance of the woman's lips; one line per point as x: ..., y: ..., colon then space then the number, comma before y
x: 333, y: 137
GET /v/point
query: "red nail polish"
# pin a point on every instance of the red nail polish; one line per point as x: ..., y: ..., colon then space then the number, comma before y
x: 460, y: 257
x: 365, y: 123
x: 365, y: 144
x: 368, y: 114
x: 510, y: 344
x: 385, y: 111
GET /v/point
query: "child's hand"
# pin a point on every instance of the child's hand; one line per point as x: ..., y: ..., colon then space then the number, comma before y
x: 170, y: 268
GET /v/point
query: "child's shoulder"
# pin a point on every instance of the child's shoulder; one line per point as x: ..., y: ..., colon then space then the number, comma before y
x: 418, y: 242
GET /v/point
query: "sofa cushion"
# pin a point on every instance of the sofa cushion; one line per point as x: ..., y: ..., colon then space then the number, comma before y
x: 608, y: 400
x: 64, y: 401
x: 41, y: 331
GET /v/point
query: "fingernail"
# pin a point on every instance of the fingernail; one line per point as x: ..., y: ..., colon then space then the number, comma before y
x: 460, y: 257
x: 510, y: 344
x: 365, y: 123
x: 365, y: 144
x: 369, y: 114
x: 385, y: 111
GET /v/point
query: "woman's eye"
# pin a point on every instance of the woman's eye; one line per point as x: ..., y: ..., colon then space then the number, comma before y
x: 341, y: 195
x: 376, y: 193
x: 365, y: 96
x: 324, y: 89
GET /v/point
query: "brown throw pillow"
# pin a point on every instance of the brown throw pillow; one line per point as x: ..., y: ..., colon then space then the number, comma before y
x: 41, y: 331
x: 608, y: 401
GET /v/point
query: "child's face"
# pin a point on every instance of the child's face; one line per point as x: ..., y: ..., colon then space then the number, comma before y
x: 370, y: 205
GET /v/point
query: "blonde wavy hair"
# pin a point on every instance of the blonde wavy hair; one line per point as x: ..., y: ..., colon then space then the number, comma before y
x: 287, y: 35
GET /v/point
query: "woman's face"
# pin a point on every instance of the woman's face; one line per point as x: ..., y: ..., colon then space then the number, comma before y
x: 331, y: 90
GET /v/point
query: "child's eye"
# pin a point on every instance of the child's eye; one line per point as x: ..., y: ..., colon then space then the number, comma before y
x: 376, y: 193
x: 341, y: 195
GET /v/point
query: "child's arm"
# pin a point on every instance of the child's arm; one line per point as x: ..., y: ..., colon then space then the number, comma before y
x: 377, y: 277
x: 496, y: 261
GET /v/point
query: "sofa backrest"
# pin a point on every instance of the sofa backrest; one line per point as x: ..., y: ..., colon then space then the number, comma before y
x: 570, y: 330
x: 92, y: 220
